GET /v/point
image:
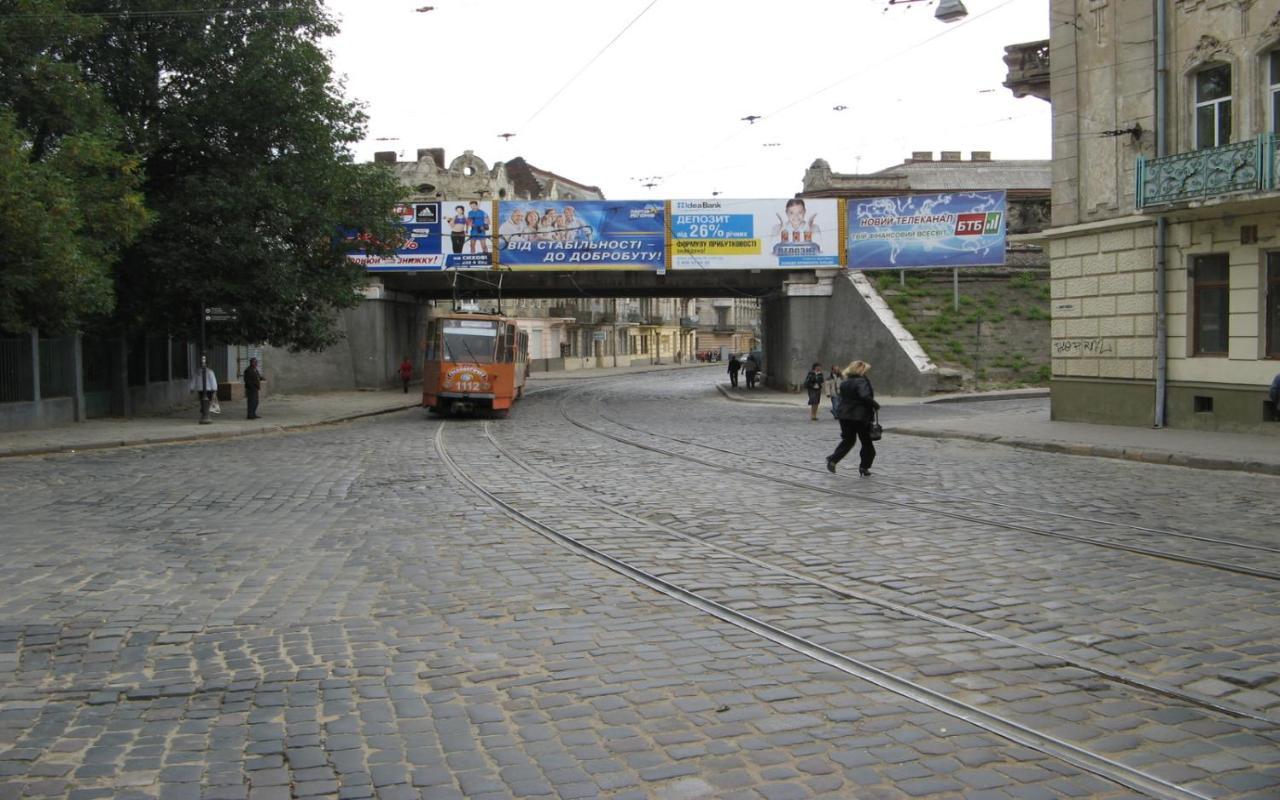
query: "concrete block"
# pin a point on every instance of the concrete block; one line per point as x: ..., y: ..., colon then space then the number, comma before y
x: 1082, y: 245
x: 1065, y: 267
x: 1120, y: 283
x: 1058, y: 329
x: 1116, y: 326
x: 1057, y: 249
x: 1082, y: 287
x: 1243, y: 325
x: 1082, y: 368
x: 1098, y: 264
x: 1135, y: 260
x: 1115, y: 368
x: 1099, y: 306
x: 1175, y: 302
x: 1083, y: 328
x: 1144, y: 370
x: 1135, y: 348
x: 1144, y: 325
x: 1057, y: 289
x: 1144, y: 281
x: 1068, y: 308
x: 1135, y: 303
x: 1112, y: 241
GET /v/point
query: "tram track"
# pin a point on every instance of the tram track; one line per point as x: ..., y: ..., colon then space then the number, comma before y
x: 843, y: 590
x: 1000, y: 724
x: 862, y: 497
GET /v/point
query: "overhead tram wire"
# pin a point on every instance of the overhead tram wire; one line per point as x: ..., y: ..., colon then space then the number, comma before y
x: 585, y: 66
x: 880, y: 62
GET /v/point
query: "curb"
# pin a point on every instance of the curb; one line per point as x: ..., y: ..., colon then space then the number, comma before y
x: 186, y: 439
x: 984, y: 396
x: 724, y: 390
x: 1100, y: 451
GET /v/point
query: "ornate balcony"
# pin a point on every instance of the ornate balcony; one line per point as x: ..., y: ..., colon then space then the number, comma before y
x: 1247, y: 166
x: 1028, y: 65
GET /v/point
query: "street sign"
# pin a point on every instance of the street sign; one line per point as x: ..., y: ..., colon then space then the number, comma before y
x: 218, y: 314
x: 599, y: 336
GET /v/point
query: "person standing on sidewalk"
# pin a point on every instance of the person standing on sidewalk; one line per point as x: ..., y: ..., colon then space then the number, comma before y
x: 406, y: 373
x: 734, y: 366
x: 813, y: 383
x: 252, y: 387
x: 857, y: 409
x: 831, y: 388
x: 753, y: 369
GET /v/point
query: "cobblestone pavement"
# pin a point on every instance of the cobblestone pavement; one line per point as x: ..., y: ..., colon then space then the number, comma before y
x: 331, y: 613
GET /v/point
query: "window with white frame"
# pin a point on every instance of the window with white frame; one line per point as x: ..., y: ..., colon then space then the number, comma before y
x: 1273, y: 92
x: 1213, y: 106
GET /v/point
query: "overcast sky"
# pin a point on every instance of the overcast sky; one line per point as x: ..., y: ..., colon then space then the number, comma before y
x: 663, y: 103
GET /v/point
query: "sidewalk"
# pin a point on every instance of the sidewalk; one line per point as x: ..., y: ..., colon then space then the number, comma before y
x: 1026, y: 424
x: 278, y: 413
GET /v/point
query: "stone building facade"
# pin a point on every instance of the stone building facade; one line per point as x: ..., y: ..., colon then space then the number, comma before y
x: 1165, y: 242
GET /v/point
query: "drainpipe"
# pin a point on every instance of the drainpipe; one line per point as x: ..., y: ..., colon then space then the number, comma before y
x: 1162, y: 344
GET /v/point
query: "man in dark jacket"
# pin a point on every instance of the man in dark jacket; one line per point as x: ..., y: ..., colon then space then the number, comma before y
x: 252, y: 387
x: 734, y: 366
x: 858, y: 408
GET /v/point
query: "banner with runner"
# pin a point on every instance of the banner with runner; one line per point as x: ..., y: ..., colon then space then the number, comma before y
x: 438, y: 235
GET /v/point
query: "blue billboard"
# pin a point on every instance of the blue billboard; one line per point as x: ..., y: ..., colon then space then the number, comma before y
x: 581, y: 234
x: 956, y: 229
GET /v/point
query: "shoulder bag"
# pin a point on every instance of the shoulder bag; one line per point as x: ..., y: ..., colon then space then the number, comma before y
x: 876, y: 430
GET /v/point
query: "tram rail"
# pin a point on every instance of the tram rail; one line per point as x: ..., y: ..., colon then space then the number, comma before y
x: 1097, y: 763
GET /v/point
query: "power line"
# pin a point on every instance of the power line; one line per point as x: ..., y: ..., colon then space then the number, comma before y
x: 593, y: 60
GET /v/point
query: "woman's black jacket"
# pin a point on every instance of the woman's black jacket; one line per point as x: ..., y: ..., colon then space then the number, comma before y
x: 857, y: 400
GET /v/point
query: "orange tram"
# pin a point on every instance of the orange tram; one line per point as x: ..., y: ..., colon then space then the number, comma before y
x: 474, y: 362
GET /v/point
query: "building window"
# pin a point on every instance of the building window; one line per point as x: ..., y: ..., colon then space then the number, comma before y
x: 1274, y: 91
x: 1273, y: 305
x: 1213, y: 106
x: 1211, y: 294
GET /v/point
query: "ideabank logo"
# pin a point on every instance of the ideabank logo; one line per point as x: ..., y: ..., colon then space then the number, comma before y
x: 978, y: 223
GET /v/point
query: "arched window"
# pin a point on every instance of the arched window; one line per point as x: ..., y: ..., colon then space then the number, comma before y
x: 1213, y: 106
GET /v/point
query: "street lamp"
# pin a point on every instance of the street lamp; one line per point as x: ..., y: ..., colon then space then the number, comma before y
x: 947, y: 10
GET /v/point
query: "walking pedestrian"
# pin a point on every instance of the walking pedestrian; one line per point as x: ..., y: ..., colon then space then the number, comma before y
x: 858, y: 407
x: 752, y: 368
x: 205, y: 385
x: 813, y: 383
x: 252, y: 388
x: 831, y: 388
x: 1274, y: 394
x: 406, y: 373
x: 734, y: 366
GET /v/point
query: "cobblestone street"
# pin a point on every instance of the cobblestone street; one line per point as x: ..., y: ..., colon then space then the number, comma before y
x: 633, y: 588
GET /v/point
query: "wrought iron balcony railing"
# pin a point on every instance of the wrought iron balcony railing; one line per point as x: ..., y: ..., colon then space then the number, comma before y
x: 1247, y: 166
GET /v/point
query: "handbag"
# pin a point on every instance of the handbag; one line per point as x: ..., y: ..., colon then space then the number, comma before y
x: 214, y: 406
x: 876, y: 430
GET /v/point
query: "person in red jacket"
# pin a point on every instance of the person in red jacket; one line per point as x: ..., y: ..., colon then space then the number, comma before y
x: 406, y: 372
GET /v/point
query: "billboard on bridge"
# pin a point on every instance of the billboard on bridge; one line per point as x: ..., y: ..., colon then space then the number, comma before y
x: 956, y: 229
x: 790, y: 233
x: 438, y: 235
x: 581, y: 234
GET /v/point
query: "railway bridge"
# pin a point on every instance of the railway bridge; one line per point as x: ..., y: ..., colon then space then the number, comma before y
x: 826, y: 315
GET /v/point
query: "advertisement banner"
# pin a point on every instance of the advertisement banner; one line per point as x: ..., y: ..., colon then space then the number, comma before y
x: 958, y: 229
x: 755, y: 234
x: 438, y: 235
x: 581, y: 234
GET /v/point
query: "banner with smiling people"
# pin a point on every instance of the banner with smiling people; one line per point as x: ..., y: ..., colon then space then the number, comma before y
x: 581, y: 234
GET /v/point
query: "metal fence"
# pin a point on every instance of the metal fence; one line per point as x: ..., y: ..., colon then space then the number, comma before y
x: 17, y: 383
x: 179, y: 359
x: 57, y: 367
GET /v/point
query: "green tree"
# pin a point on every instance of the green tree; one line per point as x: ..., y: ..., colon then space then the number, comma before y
x: 244, y: 135
x: 69, y: 199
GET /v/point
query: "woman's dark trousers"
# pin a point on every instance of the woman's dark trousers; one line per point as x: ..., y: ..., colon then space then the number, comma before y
x: 851, y: 432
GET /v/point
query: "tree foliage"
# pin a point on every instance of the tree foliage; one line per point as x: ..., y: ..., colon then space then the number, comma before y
x: 69, y: 199
x: 243, y: 135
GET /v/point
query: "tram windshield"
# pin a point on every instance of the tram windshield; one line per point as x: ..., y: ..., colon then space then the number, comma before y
x: 473, y: 340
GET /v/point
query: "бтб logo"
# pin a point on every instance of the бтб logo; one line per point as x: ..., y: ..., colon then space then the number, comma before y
x: 978, y: 224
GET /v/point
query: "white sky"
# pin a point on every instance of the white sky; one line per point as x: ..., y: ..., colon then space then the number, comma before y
x: 667, y: 97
